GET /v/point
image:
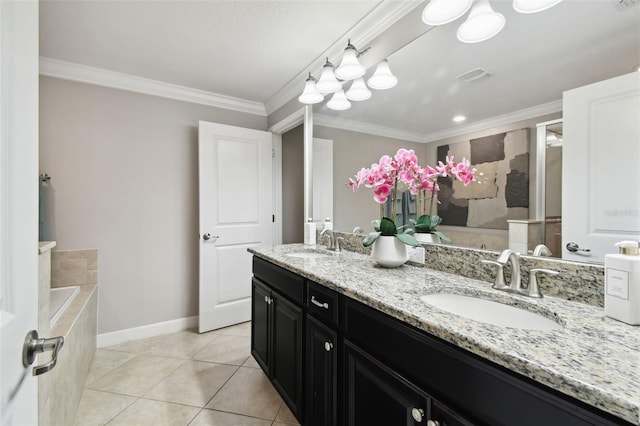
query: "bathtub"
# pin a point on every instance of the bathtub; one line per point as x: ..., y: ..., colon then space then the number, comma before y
x: 60, y: 299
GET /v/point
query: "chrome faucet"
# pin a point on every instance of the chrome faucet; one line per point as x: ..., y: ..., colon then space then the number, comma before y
x: 541, y: 250
x: 515, y: 283
x: 334, y: 242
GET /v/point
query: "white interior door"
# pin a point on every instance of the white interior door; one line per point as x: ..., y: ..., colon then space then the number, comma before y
x: 18, y: 207
x: 236, y: 209
x: 601, y: 154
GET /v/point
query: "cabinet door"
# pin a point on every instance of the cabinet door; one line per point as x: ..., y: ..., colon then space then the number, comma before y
x: 286, y: 372
x: 442, y: 415
x: 321, y: 378
x: 377, y: 396
x: 260, y: 327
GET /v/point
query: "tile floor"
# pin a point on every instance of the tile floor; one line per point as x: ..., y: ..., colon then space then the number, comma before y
x: 183, y: 378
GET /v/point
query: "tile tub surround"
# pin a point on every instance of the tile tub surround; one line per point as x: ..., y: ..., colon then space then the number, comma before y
x: 593, y: 358
x: 74, y: 267
x: 579, y: 282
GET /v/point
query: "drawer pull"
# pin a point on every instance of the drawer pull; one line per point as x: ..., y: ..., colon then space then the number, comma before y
x: 433, y: 423
x: 319, y: 304
x: 328, y: 346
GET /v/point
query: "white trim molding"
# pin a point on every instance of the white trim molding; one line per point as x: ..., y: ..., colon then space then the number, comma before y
x: 85, y: 74
x: 368, y: 128
x: 151, y: 330
x: 500, y: 120
x: 294, y: 119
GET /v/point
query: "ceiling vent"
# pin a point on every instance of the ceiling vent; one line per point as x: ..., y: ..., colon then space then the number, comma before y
x: 474, y: 75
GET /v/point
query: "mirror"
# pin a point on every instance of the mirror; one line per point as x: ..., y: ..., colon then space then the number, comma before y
x: 526, y: 68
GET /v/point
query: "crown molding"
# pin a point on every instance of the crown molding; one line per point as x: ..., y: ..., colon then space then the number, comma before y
x: 292, y: 120
x: 85, y: 74
x: 368, y: 128
x: 377, y: 21
x: 500, y: 120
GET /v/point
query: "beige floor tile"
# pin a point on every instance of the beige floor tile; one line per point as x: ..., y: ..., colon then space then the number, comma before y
x: 218, y: 418
x: 138, y: 346
x: 243, y: 329
x: 97, y: 408
x: 136, y: 376
x: 193, y: 383
x: 184, y: 344
x: 248, y: 392
x: 251, y: 362
x: 106, y: 360
x: 226, y: 349
x: 155, y: 413
x: 286, y: 416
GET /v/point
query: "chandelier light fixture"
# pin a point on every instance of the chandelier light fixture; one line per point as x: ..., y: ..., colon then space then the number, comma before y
x: 483, y: 22
x: 332, y: 80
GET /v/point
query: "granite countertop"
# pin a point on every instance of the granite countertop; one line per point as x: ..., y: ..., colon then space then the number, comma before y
x: 593, y: 358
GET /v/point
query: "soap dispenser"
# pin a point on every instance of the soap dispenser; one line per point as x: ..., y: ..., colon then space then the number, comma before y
x: 622, y: 283
x: 310, y: 232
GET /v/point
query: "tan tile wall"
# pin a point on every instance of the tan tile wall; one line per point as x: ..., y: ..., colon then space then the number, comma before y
x: 74, y: 267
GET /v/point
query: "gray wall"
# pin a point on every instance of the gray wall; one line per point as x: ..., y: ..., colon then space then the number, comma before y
x: 124, y: 170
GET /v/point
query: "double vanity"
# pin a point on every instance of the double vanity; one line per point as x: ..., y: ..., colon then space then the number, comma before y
x: 347, y: 342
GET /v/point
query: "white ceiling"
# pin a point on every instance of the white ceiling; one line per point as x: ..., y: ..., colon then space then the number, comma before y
x: 253, y: 49
x: 244, y: 49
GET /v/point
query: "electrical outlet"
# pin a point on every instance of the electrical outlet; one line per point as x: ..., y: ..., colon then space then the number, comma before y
x: 416, y: 254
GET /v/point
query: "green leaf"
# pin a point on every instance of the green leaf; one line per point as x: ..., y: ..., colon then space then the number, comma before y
x: 371, y: 238
x: 425, y: 229
x: 409, y: 231
x: 435, y: 221
x: 375, y: 224
x: 442, y: 236
x: 409, y: 240
x: 424, y: 220
x: 387, y: 227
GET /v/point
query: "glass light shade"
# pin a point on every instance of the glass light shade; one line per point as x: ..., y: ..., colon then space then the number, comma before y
x: 382, y: 78
x: 339, y: 101
x: 482, y: 23
x: 440, y: 12
x: 310, y: 95
x: 358, y: 91
x: 533, y: 6
x: 328, y: 82
x: 350, y: 68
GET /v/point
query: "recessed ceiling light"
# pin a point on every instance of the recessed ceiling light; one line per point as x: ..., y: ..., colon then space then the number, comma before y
x: 459, y: 118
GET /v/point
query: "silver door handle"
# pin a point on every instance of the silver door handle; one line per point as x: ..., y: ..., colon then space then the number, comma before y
x: 34, y: 345
x: 207, y: 236
x: 575, y: 248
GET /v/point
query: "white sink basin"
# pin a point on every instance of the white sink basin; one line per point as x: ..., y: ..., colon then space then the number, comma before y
x: 308, y: 255
x: 490, y: 312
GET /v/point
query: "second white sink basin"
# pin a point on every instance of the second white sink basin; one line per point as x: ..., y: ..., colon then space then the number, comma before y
x: 491, y: 312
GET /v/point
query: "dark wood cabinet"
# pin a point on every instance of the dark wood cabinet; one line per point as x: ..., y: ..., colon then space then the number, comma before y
x: 337, y: 361
x: 277, y: 342
x: 321, y: 379
x: 377, y: 396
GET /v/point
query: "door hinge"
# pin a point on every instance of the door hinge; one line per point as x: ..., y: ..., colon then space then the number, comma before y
x: 273, y: 153
x: 273, y: 218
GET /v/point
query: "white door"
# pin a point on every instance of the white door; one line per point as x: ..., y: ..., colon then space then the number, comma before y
x: 236, y: 209
x: 601, y: 167
x: 18, y: 207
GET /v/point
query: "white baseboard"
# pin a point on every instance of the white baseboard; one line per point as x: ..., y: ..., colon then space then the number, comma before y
x: 122, y: 336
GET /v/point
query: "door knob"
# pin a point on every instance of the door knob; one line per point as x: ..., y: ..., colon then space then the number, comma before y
x: 34, y: 345
x: 417, y: 414
x: 575, y: 248
x: 207, y: 236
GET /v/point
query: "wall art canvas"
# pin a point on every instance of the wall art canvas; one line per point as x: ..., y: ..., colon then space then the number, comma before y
x: 502, y: 190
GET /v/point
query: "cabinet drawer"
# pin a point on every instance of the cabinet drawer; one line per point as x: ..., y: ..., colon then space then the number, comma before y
x: 322, y: 303
x: 287, y: 283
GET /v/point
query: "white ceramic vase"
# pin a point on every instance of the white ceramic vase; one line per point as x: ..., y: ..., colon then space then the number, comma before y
x: 424, y: 237
x: 389, y: 252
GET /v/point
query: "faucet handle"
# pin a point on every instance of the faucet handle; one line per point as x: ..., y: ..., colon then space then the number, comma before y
x: 499, y: 284
x: 337, y: 246
x: 534, y: 291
